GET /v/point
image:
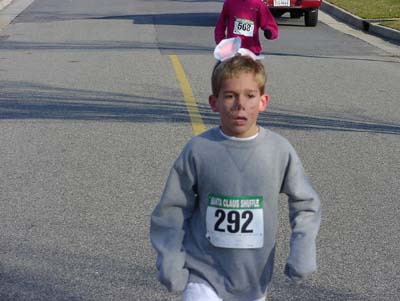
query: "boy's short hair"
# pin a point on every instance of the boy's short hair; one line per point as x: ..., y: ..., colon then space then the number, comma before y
x: 233, y: 67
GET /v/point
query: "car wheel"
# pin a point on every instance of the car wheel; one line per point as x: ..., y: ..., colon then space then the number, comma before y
x: 311, y: 17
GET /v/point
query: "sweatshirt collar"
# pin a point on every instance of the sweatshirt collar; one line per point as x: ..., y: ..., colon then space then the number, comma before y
x: 236, y: 138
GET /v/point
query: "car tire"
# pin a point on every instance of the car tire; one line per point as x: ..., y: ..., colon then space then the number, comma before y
x: 311, y: 17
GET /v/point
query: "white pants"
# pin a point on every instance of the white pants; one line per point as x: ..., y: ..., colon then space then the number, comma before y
x: 202, y: 292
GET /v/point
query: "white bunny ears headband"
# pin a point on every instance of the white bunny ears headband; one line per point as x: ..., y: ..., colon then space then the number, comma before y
x: 228, y: 48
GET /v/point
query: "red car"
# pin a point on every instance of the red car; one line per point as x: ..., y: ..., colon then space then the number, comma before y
x: 296, y: 8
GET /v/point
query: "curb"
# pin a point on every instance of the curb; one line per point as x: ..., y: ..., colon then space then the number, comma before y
x: 377, y: 30
x: 4, y: 3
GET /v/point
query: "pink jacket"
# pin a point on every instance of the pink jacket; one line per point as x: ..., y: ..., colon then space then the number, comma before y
x: 244, y: 18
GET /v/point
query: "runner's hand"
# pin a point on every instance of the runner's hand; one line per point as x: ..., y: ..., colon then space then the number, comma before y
x: 267, y: 34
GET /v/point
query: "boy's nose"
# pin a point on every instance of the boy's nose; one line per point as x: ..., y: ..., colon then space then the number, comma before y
x: 239, y: 102
x: 238, y: 106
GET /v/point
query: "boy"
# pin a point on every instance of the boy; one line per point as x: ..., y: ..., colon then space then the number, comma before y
x: 214, y: 228
x: 243, y: 19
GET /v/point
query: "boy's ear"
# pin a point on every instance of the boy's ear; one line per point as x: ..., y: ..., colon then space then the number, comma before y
x: 212, y: 100
x: 263, y: 102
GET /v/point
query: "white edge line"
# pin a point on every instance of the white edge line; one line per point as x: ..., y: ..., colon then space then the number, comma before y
x: 12, y: 10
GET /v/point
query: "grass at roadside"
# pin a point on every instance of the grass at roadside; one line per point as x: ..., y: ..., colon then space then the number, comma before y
x: 392, y: 24
x: 373, y: 9
x: 370, y: 9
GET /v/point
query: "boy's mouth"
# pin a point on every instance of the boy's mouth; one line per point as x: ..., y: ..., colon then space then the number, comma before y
x: 240, y: 119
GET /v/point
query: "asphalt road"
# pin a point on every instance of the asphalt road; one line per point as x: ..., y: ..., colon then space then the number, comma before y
x: 92, y: 117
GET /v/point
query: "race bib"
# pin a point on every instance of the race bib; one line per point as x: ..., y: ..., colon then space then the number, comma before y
x: 235, y: 222
x: 244, y: 27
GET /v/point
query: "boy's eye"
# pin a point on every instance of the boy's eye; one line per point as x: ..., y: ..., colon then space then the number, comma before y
x: 251, y: 95
x: 228, y: 96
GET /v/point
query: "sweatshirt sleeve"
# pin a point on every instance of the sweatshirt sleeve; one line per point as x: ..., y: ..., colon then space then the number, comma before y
x: 220, y: 27
x: 305, y: 218
x: 267, y: 22
x: 167, y: 225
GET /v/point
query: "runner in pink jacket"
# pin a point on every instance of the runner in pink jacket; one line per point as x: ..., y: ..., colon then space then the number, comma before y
x: 243, y: 19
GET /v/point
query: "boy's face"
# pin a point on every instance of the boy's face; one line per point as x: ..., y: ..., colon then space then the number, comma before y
x: 239, y: 102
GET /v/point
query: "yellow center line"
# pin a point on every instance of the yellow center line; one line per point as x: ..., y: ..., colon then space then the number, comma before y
x: 191, y: 105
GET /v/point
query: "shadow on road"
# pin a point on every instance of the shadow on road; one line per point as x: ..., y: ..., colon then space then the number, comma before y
x: 98, y: 46
x: 178, y: 19
x: 164, y: 47
x: 196, y: 1
x: 181, y: 19
x: 22, y: 100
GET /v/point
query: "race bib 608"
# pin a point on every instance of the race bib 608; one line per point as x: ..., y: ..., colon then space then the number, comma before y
x: 243, y: 27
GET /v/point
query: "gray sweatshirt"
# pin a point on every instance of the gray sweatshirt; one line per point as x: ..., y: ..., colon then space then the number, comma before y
x: 217, y: 218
